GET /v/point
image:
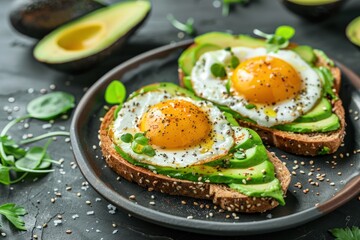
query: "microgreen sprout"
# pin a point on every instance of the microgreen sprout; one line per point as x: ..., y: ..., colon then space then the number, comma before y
x: 218, y: 70
x: 139, y: 143
x: 278, y: 40
x: 115, y: 92
x: 187, y: 27
x: 16, y: 159
x: 226, y: 5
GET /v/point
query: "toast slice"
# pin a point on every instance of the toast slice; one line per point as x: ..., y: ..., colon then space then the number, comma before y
x: 221, y: 195
x: 307, y: 144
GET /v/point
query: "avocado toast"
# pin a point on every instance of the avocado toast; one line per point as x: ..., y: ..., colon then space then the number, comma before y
x: 319, y: 130
x: 228, y: 165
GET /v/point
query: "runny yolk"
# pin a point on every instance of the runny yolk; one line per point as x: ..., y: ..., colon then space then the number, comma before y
x: 266, y: 79
x: 175, y: 124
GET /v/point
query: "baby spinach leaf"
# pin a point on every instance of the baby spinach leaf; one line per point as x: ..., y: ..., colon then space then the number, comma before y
x: 32, y: 158
x: 4, y: 175
x: 50, y: 105
x: 115, y: 92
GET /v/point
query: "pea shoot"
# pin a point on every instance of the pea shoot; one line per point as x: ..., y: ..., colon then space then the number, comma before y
x: 139, y: 143
x: 14, y: 158
x: 278, y: 40
x: 187, y: 27
x: 218, y: 70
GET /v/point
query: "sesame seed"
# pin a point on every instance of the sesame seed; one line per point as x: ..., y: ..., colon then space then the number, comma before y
x: 68, y: 231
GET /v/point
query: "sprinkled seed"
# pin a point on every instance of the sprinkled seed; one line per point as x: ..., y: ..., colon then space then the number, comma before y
x: 132, y: 197
x: 68, y: 231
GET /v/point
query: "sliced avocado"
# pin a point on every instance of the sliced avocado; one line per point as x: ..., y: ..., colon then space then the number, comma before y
x: 214, y: 41
x: 269, y: 189
x: 313, y: 2
x: 321, y: 111
x: 204, y: 48
x: 253, y: 156
x: 353, y: 31
x: 328, y: 124
x: 251, y: 138
x: 260, y: 173
x: 171, y: 88
x: 82, y: 43
x: 255, y: 168
x: 189, y: 57
x: 225, y: 40
x: 36, y: 18
x: 186, y: 60
x: 306, y: 53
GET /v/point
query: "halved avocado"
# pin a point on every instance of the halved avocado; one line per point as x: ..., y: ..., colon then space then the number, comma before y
x: 82, y: 43
x: 314, y: 10
x: 36, y: 18
x: 353, y: 31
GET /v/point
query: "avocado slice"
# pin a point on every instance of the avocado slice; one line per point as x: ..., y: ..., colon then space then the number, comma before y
x: 254, y: 168
x: 306, y: 53
x: 36, y: 18
x: 82, y: 43
x: 269, y: 189
x: 321, y: 111
x: 353, y: 31
x: 213, y: 41
x: 328, y: 124
x: 225, y: 40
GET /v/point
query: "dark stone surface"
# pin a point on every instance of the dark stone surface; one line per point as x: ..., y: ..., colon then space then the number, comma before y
x: 19, y: 72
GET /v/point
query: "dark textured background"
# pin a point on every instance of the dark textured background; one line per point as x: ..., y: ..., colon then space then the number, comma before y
x: 19, y: 72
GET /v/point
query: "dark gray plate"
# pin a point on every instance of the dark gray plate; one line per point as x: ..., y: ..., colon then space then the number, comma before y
x: 341, y: 170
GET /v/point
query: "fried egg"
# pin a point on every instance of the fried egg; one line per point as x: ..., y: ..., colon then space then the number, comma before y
x: 182, y: 131
x: 269, y: 88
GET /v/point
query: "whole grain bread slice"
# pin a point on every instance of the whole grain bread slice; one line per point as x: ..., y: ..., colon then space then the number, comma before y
x: 221, y: 195
x: 307, y: 144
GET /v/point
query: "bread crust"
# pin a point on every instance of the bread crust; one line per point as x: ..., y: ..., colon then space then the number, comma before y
x: 221, y: 195
x: 307, y: 144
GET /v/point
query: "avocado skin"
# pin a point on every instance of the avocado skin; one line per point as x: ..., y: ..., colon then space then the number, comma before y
x: 314, y: 12
x: 36, y: 18
x: 83, y: 64
x: 352, y: 30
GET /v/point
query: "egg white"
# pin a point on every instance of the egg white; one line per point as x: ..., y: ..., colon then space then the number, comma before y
x: 214, y: 89
x: 132, y: 111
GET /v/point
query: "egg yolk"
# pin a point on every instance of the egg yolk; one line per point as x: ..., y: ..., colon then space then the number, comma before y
x: 175, y: 124
x: 266, y: 79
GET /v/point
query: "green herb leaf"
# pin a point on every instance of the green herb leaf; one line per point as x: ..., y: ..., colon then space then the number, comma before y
x: 226, y: 5
x: 228, y: 86
x: 126, y: 138
x: 250, y: 106
x: 50, y: 105
x: 347, y: 233
x: 286, y: 32
x: 139, y: 135
x: 141, y: 140
x: 234, y: 62
x: 11, y: 148
x: 148, y: 150
x: 137, y: 148
x: 13, y: 213
x: 4, y: 175
x: 328, y: 81
x: 187, y: 27
x: 279, y: 40
x: 218, y: 70
x: 115, y: 92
